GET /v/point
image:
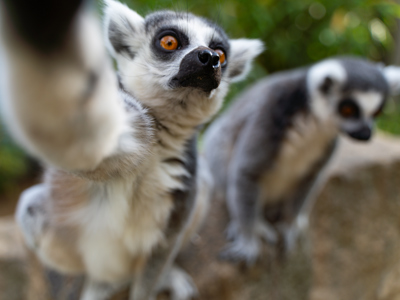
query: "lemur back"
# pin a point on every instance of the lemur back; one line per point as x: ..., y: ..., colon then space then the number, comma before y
x: 269, y: 150
x: 123, y: 188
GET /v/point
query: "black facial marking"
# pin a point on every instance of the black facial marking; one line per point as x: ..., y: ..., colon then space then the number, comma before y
x: 326, y: 85
x: 224, y: 46
x: 159, y: 51
x: 43, y: 24
x: 349, y: 109
x: 118, y: 39
x: 198, y: 72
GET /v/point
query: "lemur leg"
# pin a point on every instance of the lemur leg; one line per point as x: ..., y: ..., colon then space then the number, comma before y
x: 189, y: 211
x: 31, y: 214
x: 246, y: 227
x: 179, y: 283
x: 176, y: 280
x: 145, y: 286
x: 205, y: 185
x: 302, y: 201
x: 160, y: 266
x: 297, y: 212
x: 94, y: 290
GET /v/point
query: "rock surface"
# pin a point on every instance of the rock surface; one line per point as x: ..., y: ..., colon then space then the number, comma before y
x: 353, y: 249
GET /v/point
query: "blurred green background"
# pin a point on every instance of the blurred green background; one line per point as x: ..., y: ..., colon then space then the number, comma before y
x: 296, y: 33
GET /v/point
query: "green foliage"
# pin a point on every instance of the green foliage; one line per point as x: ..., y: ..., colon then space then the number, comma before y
x: 390, y: 119
x: 13, y: 162
x: 298, y: 33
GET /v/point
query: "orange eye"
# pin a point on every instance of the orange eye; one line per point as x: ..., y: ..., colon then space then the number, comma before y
x: 221, y: 55
x: 169, y: 42
x: 347, y: 111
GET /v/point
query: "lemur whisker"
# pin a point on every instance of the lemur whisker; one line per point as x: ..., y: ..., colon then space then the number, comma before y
x: 217, y: 20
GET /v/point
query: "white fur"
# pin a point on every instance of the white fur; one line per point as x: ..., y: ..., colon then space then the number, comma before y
x: 332, y: 69
x: 392, y: 75
x: 241, y: 50
x: 45, y: 126
x: 114, y: 11
x: 368, y: 101
x: 179, y: 283
x: 117, y: 219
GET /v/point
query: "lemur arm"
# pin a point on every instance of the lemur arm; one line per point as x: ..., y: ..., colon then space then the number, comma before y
x: 254, y: 152
x: 61, y: 98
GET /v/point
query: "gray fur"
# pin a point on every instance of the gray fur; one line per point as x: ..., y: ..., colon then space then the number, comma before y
x: 117, y: 39
x: 269, y: 130
x: 121, y: 192
x: 364, y: 76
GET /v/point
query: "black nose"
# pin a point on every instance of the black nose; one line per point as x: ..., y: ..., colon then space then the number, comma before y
x: 209, y: 58
x: 363, y: 134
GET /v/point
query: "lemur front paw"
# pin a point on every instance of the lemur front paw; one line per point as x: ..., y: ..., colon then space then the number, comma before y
x: 242, y: 249
x: 246, y: 247
x: 266, y: 232
x: 180, y: 285
x: 261, y: 229
x: 291, y: 234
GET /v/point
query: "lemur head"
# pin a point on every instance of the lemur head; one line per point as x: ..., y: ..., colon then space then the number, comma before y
x: 352, y: 91
x: 175, y: 58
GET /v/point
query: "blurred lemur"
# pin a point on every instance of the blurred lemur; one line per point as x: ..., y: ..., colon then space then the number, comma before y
x: 123, y: 188
x: 268, y: 151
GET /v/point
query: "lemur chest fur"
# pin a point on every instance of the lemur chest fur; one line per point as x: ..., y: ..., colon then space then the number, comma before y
x: 133, y: 212
x: 303, y: 145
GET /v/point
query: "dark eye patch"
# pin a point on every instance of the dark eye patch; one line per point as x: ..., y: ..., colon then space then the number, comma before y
x: 349, y: 109
x: 162, y: 53
x: 220, y: 46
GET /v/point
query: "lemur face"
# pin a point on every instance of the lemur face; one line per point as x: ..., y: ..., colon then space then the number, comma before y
x: 352, y: 91
x: 196, y: 49
x: 174, y: 55
x: 356, y: 112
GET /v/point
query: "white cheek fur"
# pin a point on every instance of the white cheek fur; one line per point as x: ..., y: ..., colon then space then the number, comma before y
x: 369, y: 101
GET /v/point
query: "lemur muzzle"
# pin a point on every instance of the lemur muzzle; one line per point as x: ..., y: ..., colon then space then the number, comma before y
x: 200, y: 69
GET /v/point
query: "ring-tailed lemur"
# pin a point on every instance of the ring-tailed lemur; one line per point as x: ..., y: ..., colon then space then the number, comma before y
x: 269, y: 149
x: 123, y: 187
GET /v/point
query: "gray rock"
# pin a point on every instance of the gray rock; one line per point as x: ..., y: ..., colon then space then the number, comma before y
x: 353, y: 249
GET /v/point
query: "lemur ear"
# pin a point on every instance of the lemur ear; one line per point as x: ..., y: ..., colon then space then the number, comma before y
x: 122, y: 27
x: 392, y: 75
x: 325, y: 77
x: 243, y: 52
